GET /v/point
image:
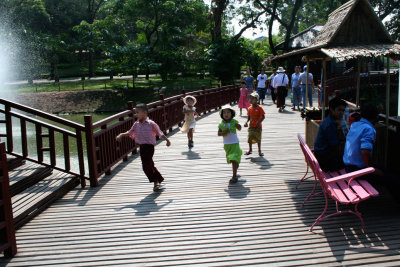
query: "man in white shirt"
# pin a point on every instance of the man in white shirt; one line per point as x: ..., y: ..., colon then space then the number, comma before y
x: 280, y: 84
x: 261, y: 86
x: 273, y: 96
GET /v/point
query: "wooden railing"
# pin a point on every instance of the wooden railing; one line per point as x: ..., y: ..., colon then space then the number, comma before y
x: 97, y: 139
x: 104, y: 152
x: 336, y: 84
x: 8, y: 243
x: 45, y: 125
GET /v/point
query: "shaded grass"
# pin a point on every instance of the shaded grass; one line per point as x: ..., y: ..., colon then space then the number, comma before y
x: 154, y: 83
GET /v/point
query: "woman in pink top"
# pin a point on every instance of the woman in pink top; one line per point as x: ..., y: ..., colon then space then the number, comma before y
x: 144, y: 132
x: 243, y: 100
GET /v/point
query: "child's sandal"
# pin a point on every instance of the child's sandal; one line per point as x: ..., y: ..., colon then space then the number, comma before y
x: 233, y: 180
x: 247, y: 153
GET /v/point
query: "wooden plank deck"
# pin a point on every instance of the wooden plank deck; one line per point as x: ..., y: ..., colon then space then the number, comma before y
x: 201, y: 220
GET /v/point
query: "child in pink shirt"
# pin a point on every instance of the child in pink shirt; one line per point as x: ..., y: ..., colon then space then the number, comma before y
x: 144, y: 132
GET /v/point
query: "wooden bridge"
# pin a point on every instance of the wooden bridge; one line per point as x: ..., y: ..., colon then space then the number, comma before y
x: 199, y: 219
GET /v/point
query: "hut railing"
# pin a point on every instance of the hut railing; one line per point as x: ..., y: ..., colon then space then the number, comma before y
x: 45, y: 128
x: 336, y: 84
x: 103, y: 150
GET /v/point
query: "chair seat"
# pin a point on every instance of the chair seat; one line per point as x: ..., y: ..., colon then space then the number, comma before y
x: 358, y: 190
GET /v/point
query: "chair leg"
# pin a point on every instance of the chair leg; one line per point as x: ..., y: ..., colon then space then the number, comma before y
x: 320, y: 218
x: 311, y: 195
x: 304, y: 177
x: 338, y: 212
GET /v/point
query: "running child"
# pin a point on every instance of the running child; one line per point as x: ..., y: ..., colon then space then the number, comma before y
x: 227, y: 128
x: 144, y: 132
x: 190, y: 123
x: 255, y: 116
x: 243, y: 100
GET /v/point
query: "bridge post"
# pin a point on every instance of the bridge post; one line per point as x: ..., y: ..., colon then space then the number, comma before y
x: 91, y: 151
x: 205, y: 99
x: 9, y: 129
x: 130, y: 107
x: 164, y: 115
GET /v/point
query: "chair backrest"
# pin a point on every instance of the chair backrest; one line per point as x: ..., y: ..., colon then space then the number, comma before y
x: 303, y: 149
x: 312, y: 161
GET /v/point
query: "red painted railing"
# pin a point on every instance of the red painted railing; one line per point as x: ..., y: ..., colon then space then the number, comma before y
x: 103, y: 150
x: 97, y: 139
x: 45, y: 125
x: 8, y: 243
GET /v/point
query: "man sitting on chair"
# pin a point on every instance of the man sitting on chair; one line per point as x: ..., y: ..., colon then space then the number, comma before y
x: 358, y: 151
x: 331, y: 137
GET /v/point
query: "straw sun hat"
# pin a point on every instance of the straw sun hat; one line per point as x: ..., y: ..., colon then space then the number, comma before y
x: 280, y: 70
x: 189, y: 96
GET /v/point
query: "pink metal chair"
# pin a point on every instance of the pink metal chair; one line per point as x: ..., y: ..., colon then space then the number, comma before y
x: 304, y: 148
x: 340, y: 187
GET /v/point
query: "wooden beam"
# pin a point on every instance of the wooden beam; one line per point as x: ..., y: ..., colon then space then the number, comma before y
x: 358, y: 82
x: 307, y: 72
x: 323, y: 87
x: 387, y: 110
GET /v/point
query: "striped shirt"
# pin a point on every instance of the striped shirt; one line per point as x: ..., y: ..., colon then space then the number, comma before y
x: 145, y: 132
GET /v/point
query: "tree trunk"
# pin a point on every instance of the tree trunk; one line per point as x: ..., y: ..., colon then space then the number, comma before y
x: 270, y: 25
x: 289, y: 29
x: 52, y: 69
x: 91, y: 73
x: 217, y: 11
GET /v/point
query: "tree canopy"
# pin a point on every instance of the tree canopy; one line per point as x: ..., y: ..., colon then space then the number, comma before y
x: 167, y: 37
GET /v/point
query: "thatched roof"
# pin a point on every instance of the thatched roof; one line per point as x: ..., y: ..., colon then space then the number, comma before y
x: 343, y: 53
x: 302, y: 39
x: 354, y: 22
x: 352, y: 30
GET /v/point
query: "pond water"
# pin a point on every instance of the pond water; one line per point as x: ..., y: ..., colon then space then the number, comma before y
x: 31, y: 136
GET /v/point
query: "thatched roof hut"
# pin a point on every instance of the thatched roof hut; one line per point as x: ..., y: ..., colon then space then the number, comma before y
x: 301, y: 40
x: 353, y: 30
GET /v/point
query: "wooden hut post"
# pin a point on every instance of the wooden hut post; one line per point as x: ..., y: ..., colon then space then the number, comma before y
x: 358, y: 82
x: 307, y: 72
x: 387, y: 110
x: 323, y: 87
x: 398, y: 94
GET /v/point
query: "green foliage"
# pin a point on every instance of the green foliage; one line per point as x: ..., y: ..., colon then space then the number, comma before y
x: 226, y: 58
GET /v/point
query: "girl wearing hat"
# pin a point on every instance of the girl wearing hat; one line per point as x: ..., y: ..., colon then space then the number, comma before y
x: 190, y: 123
x: 227, y: 128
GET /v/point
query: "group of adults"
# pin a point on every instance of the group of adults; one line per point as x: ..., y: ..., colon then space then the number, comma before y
x: 278, y: 86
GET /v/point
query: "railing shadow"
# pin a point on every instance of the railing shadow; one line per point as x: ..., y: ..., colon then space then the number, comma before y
x: 343, y: 232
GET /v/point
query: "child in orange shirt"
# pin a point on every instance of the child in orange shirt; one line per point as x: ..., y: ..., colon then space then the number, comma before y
x: 255, y: 116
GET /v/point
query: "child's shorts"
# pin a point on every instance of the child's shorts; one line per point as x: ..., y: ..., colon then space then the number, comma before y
x: 254, y: 135
x: 233, y: 152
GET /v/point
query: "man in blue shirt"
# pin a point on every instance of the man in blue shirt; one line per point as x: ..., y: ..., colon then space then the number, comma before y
x: 306, y: 90
x: 296, y: 91
x: 328, y: 146
x: 358, y: 150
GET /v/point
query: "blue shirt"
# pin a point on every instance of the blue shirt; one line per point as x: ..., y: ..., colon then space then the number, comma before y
x: 362, y: 135
x: 295, y: 79
x: 303, y: 77
x: 249, y: 81
x: 327, y: 134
